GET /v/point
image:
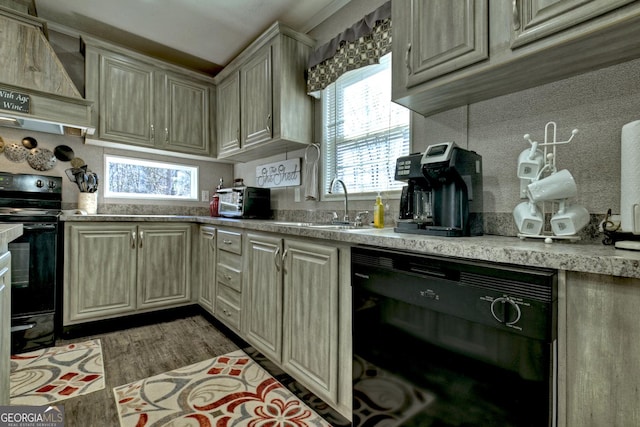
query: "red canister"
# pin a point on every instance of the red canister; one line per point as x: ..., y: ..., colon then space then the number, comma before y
x: 214, y: 205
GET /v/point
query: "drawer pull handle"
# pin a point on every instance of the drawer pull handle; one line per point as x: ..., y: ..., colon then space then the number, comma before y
x: 275, y: 259
x: 226, y: 276
x: 227, y: 242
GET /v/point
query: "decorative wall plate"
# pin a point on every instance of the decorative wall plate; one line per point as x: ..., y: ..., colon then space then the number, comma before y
x: 41, y: 159
x: 77, y: 162
x: 64, y: 153
x: 16, y: 153
x: 29, y: 142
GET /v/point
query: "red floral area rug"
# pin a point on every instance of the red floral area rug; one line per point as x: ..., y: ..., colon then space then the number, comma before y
x: 53, y: 374
x: 229, y: 390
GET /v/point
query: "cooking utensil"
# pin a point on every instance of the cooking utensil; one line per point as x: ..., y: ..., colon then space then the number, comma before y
x: 87, y: 182
x: 71, y: 173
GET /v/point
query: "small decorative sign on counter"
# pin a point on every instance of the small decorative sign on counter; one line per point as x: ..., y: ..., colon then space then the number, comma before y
x: 14, y: 101
x: 284, y: 173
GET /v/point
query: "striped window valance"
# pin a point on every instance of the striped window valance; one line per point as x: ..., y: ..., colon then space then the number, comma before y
x: 362, y: 44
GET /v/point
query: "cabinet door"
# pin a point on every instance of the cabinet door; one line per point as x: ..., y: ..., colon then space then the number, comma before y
x: 100, y: 271
x: 207, y: 291
x: 186, y: 115
x: 535, y: 19
x: 228, y: 114
x: 5, y: 327
x: 263, y: 295
x: 598, y: 358
x: 311, y: 316
x: 126, y: 100
x: 164, y: 254
x: 444, y: 36
x: 257, y: 99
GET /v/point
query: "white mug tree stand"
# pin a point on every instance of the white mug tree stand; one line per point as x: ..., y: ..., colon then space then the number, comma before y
x: 548, y: 167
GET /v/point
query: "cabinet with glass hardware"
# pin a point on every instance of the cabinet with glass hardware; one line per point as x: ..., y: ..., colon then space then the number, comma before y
x: 141, y: 101
x: 262, y: 105
x: 113, y: 269
x: 486, y: 49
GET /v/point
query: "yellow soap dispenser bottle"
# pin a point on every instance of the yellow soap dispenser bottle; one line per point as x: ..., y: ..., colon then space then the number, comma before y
x: 378, y: 212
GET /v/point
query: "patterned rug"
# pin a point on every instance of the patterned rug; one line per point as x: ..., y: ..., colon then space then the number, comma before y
x: 53, y: 374
x: 229, y: 390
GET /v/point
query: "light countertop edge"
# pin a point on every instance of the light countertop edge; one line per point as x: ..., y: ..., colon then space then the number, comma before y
x: 8, y: 233
x: 585, y: 257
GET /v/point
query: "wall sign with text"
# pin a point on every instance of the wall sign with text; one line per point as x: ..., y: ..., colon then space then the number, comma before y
x: 14, y: 101
x: 284, y: 173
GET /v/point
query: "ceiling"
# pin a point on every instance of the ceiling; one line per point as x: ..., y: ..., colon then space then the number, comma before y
x: 201, y: 34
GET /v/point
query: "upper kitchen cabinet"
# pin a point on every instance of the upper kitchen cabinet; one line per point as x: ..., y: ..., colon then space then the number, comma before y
x: 448, y: 54
x: 445, y: 36
x: 263, y: 108
x: 144, y: 102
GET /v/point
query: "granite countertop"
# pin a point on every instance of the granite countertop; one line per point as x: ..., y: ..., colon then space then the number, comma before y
x: 8, y: 233
x: 578, y: 256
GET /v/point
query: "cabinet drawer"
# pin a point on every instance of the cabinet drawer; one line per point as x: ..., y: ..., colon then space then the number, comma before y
x: 230, y: 260
x: 229, y: 295
x: 230, y: 277
x: 230, y: 242
x: 226, y: 312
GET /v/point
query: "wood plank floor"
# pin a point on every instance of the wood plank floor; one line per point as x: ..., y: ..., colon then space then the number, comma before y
x: 140, y: 352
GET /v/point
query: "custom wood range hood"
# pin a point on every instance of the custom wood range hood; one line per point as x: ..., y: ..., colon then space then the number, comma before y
x: 36, y: 93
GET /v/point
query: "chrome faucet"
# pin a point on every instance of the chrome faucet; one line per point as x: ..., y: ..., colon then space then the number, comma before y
x: 346, y: 197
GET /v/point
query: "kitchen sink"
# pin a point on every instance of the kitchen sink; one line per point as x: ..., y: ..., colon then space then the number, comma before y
x: 323, y: 225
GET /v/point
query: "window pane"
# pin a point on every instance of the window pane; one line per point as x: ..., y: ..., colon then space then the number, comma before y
x: 363, y: 131
x: 129, y: 177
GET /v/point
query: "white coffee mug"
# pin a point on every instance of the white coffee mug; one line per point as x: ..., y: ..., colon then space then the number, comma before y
x: 569, y: 221
x: 530, y: 162
x: 559, y: 185
x: 528, y: 218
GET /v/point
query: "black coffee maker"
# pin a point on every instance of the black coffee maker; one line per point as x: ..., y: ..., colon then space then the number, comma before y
x: 443, y: 195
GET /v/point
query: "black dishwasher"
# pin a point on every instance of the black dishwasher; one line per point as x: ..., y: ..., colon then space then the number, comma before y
x: 452, y: 342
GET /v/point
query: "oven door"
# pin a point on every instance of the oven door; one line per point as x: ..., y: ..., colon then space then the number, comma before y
x: 33, y: 287
x: 33, y: 270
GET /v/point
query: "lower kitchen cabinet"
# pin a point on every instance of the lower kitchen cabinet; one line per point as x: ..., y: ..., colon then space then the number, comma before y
x: 207, y: 268
x: 114, y: 269
x: 228, y: 300
x: 598, y: 351
x: 297, y: 311
x: 5, y: 327
x: 263, y: 295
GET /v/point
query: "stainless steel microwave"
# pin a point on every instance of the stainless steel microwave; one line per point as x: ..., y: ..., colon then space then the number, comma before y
x: 245, y: 202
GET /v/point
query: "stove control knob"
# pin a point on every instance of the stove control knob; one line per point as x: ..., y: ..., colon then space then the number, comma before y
x: 52, y: 184
x: 39, y: 183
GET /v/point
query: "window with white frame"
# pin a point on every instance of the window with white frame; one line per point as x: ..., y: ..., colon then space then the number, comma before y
x: 127, y: 177
x: 363, y: 132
